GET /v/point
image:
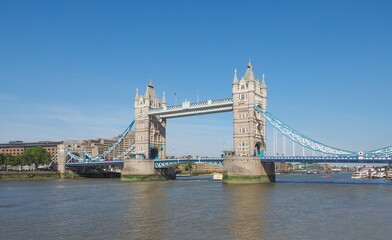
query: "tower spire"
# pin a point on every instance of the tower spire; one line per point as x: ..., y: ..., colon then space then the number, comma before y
x: 263, y: 82
x: 137, y: 93
x: 235, y: 79
x: 249, y: 75
x: 164, y: 98
x: 250, y: 63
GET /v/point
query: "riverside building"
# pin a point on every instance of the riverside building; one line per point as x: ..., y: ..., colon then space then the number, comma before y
x: 18, y: 147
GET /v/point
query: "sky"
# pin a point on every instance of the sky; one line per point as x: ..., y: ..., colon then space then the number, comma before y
x: 70, y: 69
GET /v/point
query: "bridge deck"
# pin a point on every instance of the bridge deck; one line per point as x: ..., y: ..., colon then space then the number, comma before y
x: 91, y: 164
x: 162, y: 163
x: 191, y: 109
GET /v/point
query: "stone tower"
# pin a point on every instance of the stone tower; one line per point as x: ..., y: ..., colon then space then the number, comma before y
x: 150, y: 132
x: 249, y: 133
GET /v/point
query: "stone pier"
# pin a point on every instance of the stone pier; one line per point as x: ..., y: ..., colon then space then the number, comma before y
x: 143, y: 170
x: 61, y: 159
x: 246, y: 169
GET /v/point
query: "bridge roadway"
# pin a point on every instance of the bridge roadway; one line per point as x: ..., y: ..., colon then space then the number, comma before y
x: 163, y: 163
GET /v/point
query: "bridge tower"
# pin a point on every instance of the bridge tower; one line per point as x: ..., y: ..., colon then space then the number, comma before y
x: 249, y: 133
x: 150, y: 131
x: 150, y: 140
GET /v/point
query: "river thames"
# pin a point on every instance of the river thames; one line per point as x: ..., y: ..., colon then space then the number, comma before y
x: 295, y: 207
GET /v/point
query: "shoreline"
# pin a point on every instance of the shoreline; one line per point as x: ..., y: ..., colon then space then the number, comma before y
x: 38, y: 175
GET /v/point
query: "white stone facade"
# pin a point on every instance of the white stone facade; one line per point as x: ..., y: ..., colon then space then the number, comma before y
x: 249, y: 133
x: 150, y: 131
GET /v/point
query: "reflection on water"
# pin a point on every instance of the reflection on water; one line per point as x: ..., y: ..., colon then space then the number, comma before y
x: 245, y: 208
x: 146, y: 213
x: 296, y: 207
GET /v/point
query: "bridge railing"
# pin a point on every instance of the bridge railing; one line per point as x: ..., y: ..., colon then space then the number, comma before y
x: 217, y: 161
x: 192, y: 105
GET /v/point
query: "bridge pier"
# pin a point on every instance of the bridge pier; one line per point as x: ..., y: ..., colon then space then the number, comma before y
x: 61, y: 159
x: 143, y: 170
x: 245, y: 169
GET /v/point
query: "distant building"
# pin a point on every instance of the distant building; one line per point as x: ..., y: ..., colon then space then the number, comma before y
x: 202, y: 167
x: 312, y: 167
x: 92, y: 146
x: 283, y: 167
x: 18, y: 147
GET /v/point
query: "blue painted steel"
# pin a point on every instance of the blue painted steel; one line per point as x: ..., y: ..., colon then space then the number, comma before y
x: 125, y: 152
x: 117, y: 143
x: 219, y: 161
x: 101, y: 156
x: 163, y: 163
x: 88, y: 154
x: 91, y: 164
x: 387, y: 151
x: 192, y: 105
x: 300, y: 138
x: 207, y: 107
x: 332, y: 159
x: 315, y: 145
x: 76, y: 157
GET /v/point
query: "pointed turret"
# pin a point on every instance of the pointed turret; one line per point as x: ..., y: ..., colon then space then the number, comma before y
x: 249, y: 75
x: 137, y: 93
x: 146, y: 93
x: 263, y: 83
x: 235, y: 79
x: 150, y: 92
x: 263, y: 92
x: 163, y: 99
x: 249, y: 63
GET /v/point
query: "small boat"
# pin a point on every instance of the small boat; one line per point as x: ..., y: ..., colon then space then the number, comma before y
x: 336, y: 169
x: 360, y: 175
x: 183, y: 175
x: 217, y: 176
x: 379, y: 175
x: 389, y: 175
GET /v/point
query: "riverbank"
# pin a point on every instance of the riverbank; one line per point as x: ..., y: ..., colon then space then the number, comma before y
x: 29, y: 175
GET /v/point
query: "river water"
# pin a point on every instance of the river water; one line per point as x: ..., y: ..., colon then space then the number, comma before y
x: 295, y: 207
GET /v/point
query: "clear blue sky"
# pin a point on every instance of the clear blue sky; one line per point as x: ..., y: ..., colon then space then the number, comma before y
x: 69, y: 69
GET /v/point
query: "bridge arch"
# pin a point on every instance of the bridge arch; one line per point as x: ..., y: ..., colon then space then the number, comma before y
x: 154, y: 153
x: 259, y: 149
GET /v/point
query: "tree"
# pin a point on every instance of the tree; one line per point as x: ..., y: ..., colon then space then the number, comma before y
x: 8, y: 160
x: 2, y: 160
x: 188, y: 167
x: 37, y: 156
x: 19, y: 160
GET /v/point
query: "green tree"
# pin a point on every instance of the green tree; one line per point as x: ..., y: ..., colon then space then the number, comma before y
x: 19, y: 160
x: 8, y: 160
x: 37, y: 156
x: 188, y: 167
x: 2, y: 160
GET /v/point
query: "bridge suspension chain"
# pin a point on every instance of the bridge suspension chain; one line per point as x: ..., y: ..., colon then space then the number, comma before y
x: 107, y: 151
x: 124, y: 153
x: 300, y: 138
x: 387, y: 151
x: 75, y: 157
x: 117, y: 143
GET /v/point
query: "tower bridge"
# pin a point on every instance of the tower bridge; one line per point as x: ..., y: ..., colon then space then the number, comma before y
x: 248, y: 162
